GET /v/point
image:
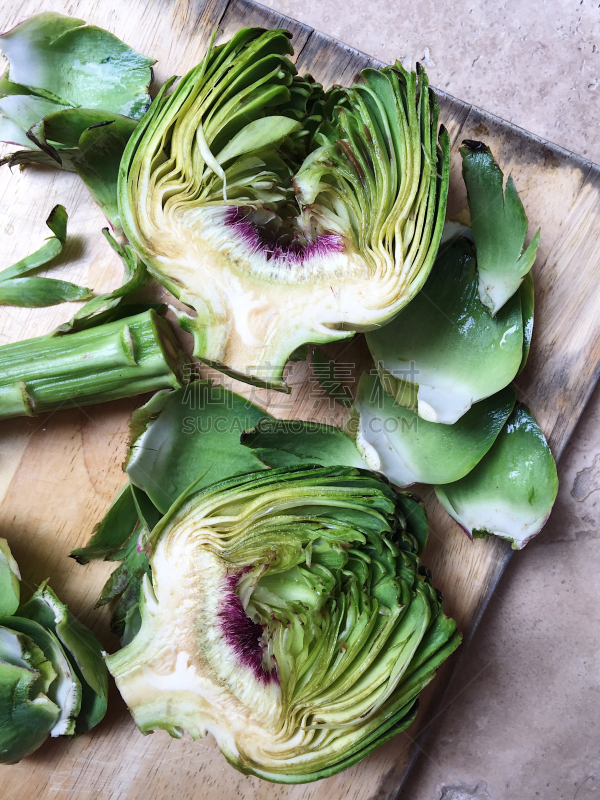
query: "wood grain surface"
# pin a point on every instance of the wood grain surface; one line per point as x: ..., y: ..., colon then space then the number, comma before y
x: 58, y: 473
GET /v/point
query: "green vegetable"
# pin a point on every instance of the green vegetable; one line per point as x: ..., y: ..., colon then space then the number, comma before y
x: 73, y: 94
x: 499, y: 227
x: 392, y: 439
x: 123, y: 358
x: 288, y: 615
x: 511, y: 491
x: 34, y: 292
x: 53, y: 680
x: 444, y: 352
x: 281, y: 214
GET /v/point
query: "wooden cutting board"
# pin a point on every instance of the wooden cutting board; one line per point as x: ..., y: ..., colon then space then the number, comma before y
x: 59, y: 473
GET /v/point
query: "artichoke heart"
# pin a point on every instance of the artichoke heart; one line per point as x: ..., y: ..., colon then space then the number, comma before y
x: 288, y: 615
x: 281, y: 213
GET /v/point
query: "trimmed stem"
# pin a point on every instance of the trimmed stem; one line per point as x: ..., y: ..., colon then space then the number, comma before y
x: 120, y: 359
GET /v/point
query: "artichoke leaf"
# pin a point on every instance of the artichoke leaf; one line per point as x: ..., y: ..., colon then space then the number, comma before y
x: 392, y: 439
x: 179, y: 437
x: 81, y: 64
x: 510, y: 493
x: 499, y: 227
x: 444, y: 352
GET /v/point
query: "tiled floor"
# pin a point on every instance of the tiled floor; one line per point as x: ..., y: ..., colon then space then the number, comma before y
x: 524, y: 718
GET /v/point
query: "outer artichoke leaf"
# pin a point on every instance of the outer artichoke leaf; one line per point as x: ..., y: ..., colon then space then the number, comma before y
x: 66, y: 127
x: 11, y: 133
x: 26, y: 111
x: 268, y: 598
x: 444, y: 352
x: 415, y: 519
x: 407, y: 449
x: 179, y: 437
x: 57, y: 222
x: 527, y: 308
x: 65, y: 691
x: 40, y: 292
x: 81, y: 63
x: 101, y: 148
x: 349, y: 248
x: 10, y: 577
x: 499, y: 227
x: 83, y: 650
x: 110, y: 306
x: 510, y: 493
x: 26, y: 718
x: 110, y: 536
x: 276, y: 440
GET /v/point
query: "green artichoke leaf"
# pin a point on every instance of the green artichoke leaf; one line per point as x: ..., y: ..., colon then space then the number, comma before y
x: 444, y: 352
x: 35, y: 292
x: 194, y: 433
x: 526, y: 294
x: 298, y: 595
x: 510, y: 493
x: 110, y: 536
x: 284, y: 216
x: 26, y: 715
x: 65, y: 691
x: 282, y: 442
x: 10, y: 577
x: 112, y: 306
x: 81, y: 64
x: 499, y: 227
x: 83, y: 651
x: 40, y: 292
x: 392, y: 439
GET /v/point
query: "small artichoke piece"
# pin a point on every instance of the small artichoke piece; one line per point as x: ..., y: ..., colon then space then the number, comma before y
x: 278, y: 233
x: 499, y: 227
x: 444, y: 352
x: 289, y: 617
x: 53, y: 680
x: 392, y: 439
x: 18, y: 288
x: 510, y: 493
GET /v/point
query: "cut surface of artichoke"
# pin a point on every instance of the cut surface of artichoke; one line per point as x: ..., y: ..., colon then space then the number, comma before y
x: 288, y: 616
x: 282, y: 214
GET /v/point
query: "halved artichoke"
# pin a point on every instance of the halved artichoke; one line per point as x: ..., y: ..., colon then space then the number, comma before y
x: 287, y: 615
x: 281, y: 214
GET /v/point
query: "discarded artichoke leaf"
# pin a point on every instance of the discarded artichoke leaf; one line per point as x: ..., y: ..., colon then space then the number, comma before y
x: 393, y: 440
x: 317, y: 573
x: 26, y: 111
x: 81, y: 64
x: 274, y: 245
x: 179, y: 437
x: 82, y: 649
x: 527, y: 308
x: 35, y: 292
x: 10, y: 587
x: 444, y: 352
x: 40, y: 292
x: 104, y: 308
x: 510, y: 493
x: 499, y: 227
x: 288, y: 442
x: 57, y: 222
x: 67, y: 127
x: 113, y: 532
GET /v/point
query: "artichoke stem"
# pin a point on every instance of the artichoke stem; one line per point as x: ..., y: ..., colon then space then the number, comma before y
x: 119, y: 359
